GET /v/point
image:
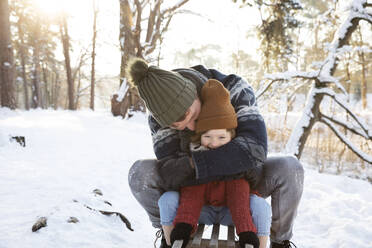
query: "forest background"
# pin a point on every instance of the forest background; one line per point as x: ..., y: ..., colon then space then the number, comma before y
x: 308, y: 61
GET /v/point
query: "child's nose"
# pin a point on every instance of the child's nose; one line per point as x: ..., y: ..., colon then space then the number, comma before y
x: 213, y: 144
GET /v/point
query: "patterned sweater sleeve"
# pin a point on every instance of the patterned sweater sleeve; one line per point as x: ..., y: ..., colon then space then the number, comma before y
x: 174, y: 165
x: 248, y: 150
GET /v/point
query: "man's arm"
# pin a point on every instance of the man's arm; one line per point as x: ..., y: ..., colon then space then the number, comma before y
x: 248, y: 151
x: 173, y: 160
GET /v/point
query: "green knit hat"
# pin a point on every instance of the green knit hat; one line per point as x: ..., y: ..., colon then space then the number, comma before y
x: 167, y: 94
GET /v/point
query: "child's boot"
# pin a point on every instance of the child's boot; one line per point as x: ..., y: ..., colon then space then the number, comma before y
x: 182, y: 231
x: 249, y: 238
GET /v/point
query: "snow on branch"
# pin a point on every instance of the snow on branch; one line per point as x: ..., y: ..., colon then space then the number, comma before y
x: 348, y: 126
x: 174, y: 7
x: 292, y: 74
x: 347, y: 142
x: 357, y: 11
x: 345, y: 106
x: 285, y: 76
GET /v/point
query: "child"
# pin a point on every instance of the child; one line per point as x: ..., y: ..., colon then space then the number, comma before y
x: 214, y: 128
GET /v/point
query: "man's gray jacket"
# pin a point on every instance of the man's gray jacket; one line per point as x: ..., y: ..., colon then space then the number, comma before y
x: 243, y: 156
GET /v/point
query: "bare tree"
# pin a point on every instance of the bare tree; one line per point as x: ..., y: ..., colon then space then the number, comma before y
x: 323, y: 82
x: 22, y: 54
x: 63, y: 28
x: 37, y: 100
x: 78, y: 74
x: 134, y: 41
x: 7, y: 96
x: 92, y: 77
x: 364, y: 65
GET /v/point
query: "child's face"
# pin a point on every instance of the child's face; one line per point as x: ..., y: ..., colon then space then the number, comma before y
x: 215, y: 138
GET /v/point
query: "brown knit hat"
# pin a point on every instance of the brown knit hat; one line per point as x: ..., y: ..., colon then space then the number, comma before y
x: 216, y: 111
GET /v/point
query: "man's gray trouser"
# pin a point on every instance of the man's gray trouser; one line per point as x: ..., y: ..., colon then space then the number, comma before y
x: 283, y: 181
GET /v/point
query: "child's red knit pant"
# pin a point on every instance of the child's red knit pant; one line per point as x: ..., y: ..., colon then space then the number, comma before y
x: 234, y: 194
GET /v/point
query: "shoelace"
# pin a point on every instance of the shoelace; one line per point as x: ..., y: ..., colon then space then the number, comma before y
x: 288, y: 244
x: 158, y: 234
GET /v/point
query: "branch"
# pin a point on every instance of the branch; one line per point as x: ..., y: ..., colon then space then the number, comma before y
x: 137, y: 32
x: 155, y: 20
x: 262, y: 90
x: 366, y: 17
x: 82, y: 60
x: 345, y: 125
x: 347, y: 109
x: 165, y: 28
x: 186, y: 11
x: 344, y: 140
x: 121, y: 216
x: 176, y: 6
x: 284, y: 76
x: 144, y: 3
x: 151, y: 21
x: 293, y: 95
x: 155, y: 34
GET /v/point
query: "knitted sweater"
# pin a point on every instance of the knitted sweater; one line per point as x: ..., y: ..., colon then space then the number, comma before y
x: 242, y: 157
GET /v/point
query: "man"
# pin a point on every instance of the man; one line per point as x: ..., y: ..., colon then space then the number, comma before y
x: 172, y: 97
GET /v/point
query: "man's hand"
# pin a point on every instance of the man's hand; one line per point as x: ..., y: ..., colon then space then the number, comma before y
x: 192, y: 163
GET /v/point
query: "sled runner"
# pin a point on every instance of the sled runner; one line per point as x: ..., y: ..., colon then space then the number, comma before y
x: 213, y: 242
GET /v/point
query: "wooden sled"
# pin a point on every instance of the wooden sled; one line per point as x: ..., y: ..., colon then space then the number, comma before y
x: 213, y: 242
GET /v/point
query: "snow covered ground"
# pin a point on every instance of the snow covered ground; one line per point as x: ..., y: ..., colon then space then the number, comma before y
x: 69, y: 154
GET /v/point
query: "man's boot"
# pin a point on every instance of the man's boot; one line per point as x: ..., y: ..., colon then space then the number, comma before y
x: 284, y: 244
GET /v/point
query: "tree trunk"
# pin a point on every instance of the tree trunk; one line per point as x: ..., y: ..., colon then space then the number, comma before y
x: 296, y: 144
x: 46, y: 97
x: 363, y: 64
x: 22, y: 54
x: 36, y: 90
x: 128, y: 47
x: 56, y: 89
x: 77, y: 98
x: 66, y: 51
x: 363, y: 86
x: 92, y: 79
x: 7, y: 96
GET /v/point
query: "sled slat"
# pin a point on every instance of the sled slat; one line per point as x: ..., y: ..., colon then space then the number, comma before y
x: 214, y: 237
x: 198, y: 236
x: 177, y: 244
x: 230, y: 237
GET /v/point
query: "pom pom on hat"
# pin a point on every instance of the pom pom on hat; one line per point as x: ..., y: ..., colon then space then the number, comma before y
x: 136, y: 71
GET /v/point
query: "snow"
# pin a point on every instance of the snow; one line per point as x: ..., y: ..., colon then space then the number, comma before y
x: 121, y: 92
x: 69, y: 154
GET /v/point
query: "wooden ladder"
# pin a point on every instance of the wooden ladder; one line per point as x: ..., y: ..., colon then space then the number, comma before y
x: 213, y: 242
